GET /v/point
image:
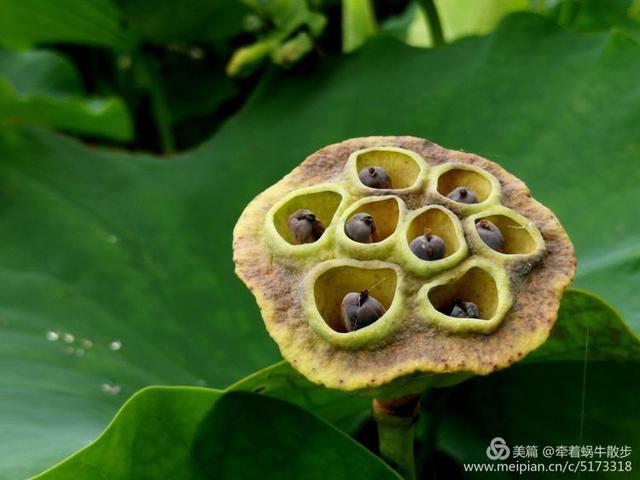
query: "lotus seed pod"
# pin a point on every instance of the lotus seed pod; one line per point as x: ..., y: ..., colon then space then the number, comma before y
x: 375, y: 177
x: 360, y: 310
x: 463, y: 195
x: 490, y: 234
x: 428, y: 246
x: 304, y: 226
x: 361, y: 228
x: 432, y: 323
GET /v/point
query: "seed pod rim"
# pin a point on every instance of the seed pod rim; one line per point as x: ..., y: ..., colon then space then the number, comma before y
x: 477, y: 244
x: 282, y: 247
x: 369, y: 337
x: 428, y: 313
x: 425, y: 268
x: 368, y: 251
x: 459, y: 207
x: 351, y: 171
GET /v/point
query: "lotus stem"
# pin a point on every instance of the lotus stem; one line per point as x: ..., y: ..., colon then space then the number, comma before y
x: 433, y: 20
x: 396, y: 420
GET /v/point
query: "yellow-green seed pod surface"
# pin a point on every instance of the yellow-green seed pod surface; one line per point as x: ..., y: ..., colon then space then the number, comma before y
x: 420, y: 340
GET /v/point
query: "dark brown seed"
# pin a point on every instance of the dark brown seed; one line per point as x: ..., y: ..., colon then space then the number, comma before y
x: 465, y: 310
x: 305, y: 226
x: 490, y: 235
x: 361, y: 228
x: 463, y: 195
x: 360, y: 310
x: 428, y: 246
x: 375, y: 177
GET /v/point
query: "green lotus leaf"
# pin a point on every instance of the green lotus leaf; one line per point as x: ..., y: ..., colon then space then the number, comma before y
x: 197, y: 433
x: 24, y: 23
x: 42, y: 87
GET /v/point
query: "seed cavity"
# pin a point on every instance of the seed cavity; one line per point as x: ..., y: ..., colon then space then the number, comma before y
x: 473, y: 295
x: 437, y: 224
x: 374, y: 220
x: 515, y: 238
x: 400, y: 168
x: 350, y: 298
x: 304, y: 217
x: 464, y: 185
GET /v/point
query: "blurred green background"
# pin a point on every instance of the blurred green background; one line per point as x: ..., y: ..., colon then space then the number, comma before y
x: 133, y: 132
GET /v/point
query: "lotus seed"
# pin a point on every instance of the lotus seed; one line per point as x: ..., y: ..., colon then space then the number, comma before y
x: 428, y: 246
x: 305, y: 226
x: 463, y: 195
x: 490, y: 234
x: 375, y: 177
x: 361, y: 228
x: 360, y: 310
x: 465, y: 310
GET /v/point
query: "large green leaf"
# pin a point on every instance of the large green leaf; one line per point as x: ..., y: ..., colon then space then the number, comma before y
x: 111, y: 246
x: 183, y: 21
x: 42, y: 87
x: 196, y: 433
x: 580, y: 388
x: 596, y: 15
x: 347, y: 412
x: 585, y: 319
x: 134, y: 270
x: 544, y: 406
x: 32, y: 22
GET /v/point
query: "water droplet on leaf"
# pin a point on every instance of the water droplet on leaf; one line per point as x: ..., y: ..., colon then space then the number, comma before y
x: 110, y: 389
x: 52, y: 336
